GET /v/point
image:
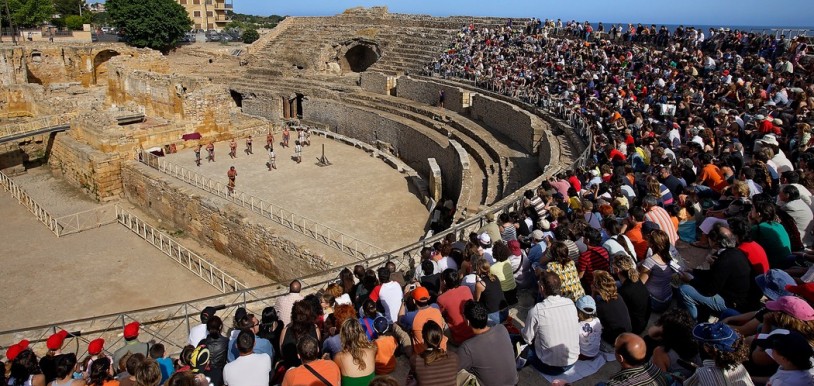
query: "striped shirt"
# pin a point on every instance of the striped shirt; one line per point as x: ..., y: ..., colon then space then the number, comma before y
x: 646, y: 375
x: 710, y: 375
x: 660, y: 216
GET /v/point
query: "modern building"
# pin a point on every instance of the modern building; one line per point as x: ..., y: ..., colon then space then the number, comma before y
x: 208, y: 14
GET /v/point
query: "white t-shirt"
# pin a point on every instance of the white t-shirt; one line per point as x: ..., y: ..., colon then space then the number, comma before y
x: 590, y: 337
x: 197, y: 334
x: 390, y: 295
x: 447, y: 262
x: 249, y: 370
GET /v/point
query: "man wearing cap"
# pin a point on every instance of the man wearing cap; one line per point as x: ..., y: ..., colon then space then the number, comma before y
x: 485, y: 242
x: 791, y: 351
x: 723, y: 351
x: 538, y: 247
x: 131, y: 343
x: 286, y: 302
x: 551, y: 329
x: 631, y: 353
x: 14, y: 350
x: 413, y: 321
x: 491, y: 228
x: 198, y: 333
x: 48, y: 362
x: 95, y: 348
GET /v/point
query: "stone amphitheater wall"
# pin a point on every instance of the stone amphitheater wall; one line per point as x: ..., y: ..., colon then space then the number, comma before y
x: 412, y: 147
x: 515, y: 123
x: 427, y: 93
x: 95, y: 172
x: 375, y: 82
x: 229, y: 229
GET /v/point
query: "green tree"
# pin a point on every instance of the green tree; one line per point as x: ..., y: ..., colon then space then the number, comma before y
x: 29, y: 13
x: 157, y: 24
x: 74, y: 22
x: 68, y: 7
x: 250, y: 36
x: 100, y: 18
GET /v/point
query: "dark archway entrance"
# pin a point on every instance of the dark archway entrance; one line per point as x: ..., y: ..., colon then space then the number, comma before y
x: 237, y: 98
x: 100, y: 65
x: 358, y: 58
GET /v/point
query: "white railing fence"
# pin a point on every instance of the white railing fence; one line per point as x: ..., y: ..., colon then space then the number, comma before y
x: 86, y: 220
x: 33, y: 206
x: 207, y: 271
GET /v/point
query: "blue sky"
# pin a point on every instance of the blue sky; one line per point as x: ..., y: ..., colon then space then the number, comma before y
x: 696, y: 12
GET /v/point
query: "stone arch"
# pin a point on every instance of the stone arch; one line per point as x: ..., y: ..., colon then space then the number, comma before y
x: 358, y: 55
x: 100, y: 64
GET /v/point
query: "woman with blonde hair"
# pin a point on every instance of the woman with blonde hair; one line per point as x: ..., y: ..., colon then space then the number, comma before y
x: 610, y: 308
x: 357, y: 360
x: 489, y: 293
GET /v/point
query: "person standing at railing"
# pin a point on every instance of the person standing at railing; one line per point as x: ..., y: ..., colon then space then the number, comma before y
x: 232, y: 174
x: 210, y: 149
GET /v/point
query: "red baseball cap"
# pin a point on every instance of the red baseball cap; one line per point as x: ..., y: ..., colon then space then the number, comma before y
x: 95, y: 346
x: 16, y: 349
x: 55, y: 341
x: 131, y: 330
x: 805, y: 290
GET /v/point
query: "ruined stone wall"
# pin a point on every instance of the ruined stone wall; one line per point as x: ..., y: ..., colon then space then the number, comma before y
x: 427, y: 93
x: 20, y: 100
x: 95, y: 172
x: 61, y: 63
x: 411, y: 146
x: 203, y: 107
x: 29, y: 100
x: 256, y: 242
x: 513, y: 122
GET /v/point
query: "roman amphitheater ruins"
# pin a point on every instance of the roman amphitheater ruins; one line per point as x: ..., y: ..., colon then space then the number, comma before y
x: 95, y: 116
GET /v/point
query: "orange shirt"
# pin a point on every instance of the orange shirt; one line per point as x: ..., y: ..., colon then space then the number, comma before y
x: 711, y: 177
x: 300, y: 376
x: 421, y: 318
x: 639, y: 244
x: 385, y: 355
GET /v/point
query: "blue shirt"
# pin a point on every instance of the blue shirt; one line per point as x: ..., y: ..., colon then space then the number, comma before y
x: 536, y: 253
x: 167, y: 368
x: 261, y: 346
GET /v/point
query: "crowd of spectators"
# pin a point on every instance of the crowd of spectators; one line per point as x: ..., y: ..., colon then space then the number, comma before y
x: 698, y: 139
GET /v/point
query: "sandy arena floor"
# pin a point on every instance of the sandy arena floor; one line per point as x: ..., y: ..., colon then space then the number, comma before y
x: 358, y: 195
x: 106, y: 270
